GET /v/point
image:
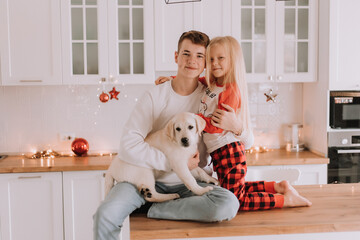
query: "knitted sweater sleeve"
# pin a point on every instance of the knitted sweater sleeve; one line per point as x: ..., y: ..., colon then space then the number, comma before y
x: 247, y: 138
x: 133, y: 149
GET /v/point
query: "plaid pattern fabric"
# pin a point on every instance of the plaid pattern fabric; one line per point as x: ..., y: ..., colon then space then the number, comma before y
x: 229, y: 162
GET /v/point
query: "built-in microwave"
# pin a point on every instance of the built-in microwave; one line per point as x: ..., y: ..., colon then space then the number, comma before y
x: 344, y: 109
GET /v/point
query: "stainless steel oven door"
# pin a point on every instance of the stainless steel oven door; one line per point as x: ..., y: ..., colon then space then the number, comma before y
x: 344, y: 166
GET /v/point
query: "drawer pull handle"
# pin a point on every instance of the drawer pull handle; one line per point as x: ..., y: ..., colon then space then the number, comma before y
x: 348, y: 151
x: 30, y: 81
x: 29, y: 177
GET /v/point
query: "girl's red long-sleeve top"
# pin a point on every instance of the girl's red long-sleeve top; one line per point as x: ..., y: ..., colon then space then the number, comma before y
x: 212, y: 99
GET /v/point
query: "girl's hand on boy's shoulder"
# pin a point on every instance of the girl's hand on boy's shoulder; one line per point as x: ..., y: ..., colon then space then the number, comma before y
x: 162, y: 79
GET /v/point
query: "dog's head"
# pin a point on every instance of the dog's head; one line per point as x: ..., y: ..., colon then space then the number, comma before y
x: 185, y: 128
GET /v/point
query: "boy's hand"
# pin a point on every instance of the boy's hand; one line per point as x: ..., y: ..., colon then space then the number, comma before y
x: 226, y: 119
x: 162, y: 79
x: 194, y: 161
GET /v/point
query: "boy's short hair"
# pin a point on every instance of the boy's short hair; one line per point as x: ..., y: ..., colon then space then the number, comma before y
x: 195, y: 37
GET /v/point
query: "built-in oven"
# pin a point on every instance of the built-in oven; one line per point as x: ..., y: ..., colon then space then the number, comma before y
x: 344, y: 109
x: 344, y: 155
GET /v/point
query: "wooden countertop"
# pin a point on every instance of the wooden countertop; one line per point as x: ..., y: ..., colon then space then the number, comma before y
x: 336, y: 208
x: 21, y: 164
x: 282, y: 157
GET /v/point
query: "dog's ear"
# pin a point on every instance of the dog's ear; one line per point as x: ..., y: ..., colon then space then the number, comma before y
x: 200, y: 124
x: 169, y: 129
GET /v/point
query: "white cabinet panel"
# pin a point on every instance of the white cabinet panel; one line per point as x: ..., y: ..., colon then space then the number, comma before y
x: 171, y: 20
x: 312, y: 174
x: 213, y: 25
x: 30, y: 42
x: 344, y: 45
x: 31, y: 206
x: 309, y: 173
x: 83, y: 192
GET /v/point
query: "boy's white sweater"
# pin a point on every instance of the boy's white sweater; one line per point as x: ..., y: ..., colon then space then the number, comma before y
x: 151, y: 113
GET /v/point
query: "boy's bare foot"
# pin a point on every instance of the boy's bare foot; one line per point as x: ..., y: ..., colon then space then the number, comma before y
x: 291, y: 196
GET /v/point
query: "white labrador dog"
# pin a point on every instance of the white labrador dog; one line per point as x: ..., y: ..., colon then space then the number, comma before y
x: 178, y: 141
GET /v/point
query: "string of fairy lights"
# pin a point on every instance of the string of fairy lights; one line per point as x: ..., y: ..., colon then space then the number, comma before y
x: 108, y: 91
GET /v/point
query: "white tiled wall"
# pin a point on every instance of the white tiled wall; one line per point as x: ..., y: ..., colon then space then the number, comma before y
x: 270, y: 120
x: 33, y: 116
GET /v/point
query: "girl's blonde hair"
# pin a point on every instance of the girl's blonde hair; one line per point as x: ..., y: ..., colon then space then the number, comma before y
x: 236, y: 73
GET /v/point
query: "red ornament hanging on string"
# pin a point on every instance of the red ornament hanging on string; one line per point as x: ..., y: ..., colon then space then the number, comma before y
x: 104, y: 97
x: 114, y: 93
x: 80, y: 146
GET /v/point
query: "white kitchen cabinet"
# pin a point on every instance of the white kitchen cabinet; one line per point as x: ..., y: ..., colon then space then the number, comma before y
x: 171, y: 20
x: 30, y: 42
x: 31, y: 206
x: 51, y: 205
x: 309, y: 173
x: 344, y: 47
x: 278, y: 38
x: 83, y: 192
x: 107, y: 39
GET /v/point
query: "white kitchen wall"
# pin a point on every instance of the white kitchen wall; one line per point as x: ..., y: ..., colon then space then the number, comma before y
x: 33, y: 116
x: 271, y: 119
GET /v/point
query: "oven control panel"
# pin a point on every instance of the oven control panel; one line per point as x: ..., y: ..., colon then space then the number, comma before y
x: 344, y: 139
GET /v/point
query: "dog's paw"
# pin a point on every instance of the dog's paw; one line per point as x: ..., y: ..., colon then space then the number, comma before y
x: 214, y: 181
x: 203, y: 190
x: 175, y: 196
x: 146, y: 192
x: 208, y: 188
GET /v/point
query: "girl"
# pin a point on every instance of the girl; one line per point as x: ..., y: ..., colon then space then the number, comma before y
x: 226, y: 89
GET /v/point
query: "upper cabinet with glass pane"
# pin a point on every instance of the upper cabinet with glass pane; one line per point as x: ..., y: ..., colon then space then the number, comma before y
x: 279, y: 39
x: 107, y: 39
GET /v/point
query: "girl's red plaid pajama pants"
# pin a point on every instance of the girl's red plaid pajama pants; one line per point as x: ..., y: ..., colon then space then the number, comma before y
x: 229, y: 162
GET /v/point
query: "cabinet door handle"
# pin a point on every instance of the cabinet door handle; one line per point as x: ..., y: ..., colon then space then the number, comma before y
x: 279, y: 77
x: 29, y: 177
x: 30, y: 81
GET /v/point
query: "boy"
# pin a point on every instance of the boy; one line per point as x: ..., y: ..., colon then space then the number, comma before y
x: 157, y: 106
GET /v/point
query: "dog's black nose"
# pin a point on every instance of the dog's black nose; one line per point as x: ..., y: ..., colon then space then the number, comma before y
x: 185, y: 142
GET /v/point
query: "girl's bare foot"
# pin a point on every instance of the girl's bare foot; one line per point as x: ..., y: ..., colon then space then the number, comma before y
x: 283, y: 187
x: 291, y: 196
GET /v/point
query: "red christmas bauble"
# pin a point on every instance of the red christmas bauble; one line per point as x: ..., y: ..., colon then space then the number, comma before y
x: 80, y: 146
x: 104, y: 97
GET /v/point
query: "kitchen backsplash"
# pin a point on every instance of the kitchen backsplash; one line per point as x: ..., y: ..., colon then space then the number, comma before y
x: 32, y: 117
